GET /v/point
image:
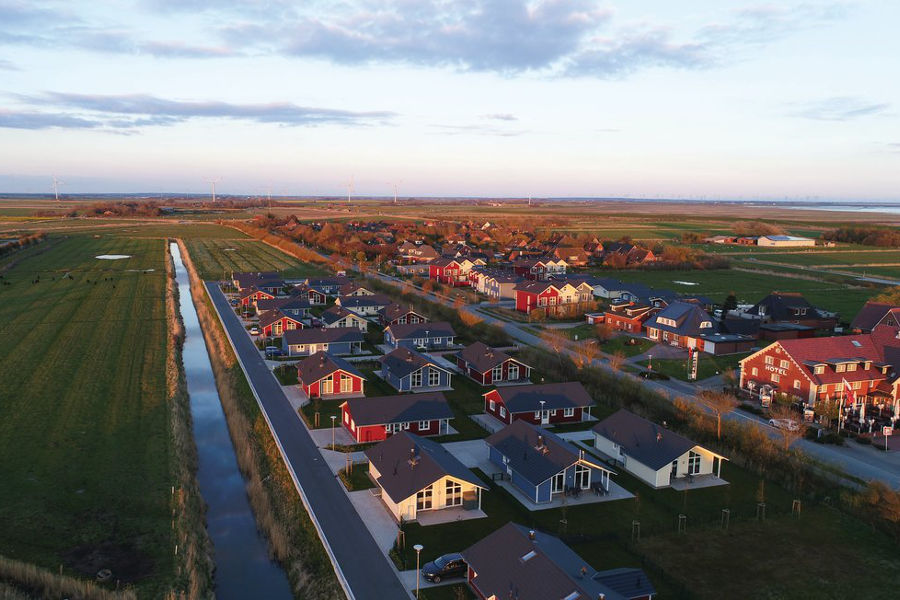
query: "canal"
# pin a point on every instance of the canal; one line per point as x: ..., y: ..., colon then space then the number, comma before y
x: 243, y: 566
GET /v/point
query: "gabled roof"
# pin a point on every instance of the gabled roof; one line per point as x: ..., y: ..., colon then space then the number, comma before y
x: 270, y: 316
x: 405, y: 331
x: 333, y: 314
x: 873, y: 313
x: 688, y: 318
x: 510, y: 562
x: 780, y: 306
x: 319, y: 282
x: 247, y: 292
x: 403, y: 361
x: 527, y: 398
x: 290, y: 303
x: 321, y: 364
x: 351, y: 287
x: 405, y: 408
x: 519, y: 443
x: 321, y: 335
x: 482, y: 357
x: 643, y: 440
x: 395, y: 311
x: 363, y: 301
x: 258, y: 279
x: 408, y: 463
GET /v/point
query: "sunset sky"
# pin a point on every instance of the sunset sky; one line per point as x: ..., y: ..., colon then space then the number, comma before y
x: 482, y: 98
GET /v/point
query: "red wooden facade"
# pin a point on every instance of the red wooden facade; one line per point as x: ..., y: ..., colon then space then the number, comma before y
x: 254, y: 296
x: 326, y: 388
x: 276, y: 328
x: 376, y: 433
x: 526, y: 301
x: 451, y: 273
x: 487, y: 377
x: 501, y: 413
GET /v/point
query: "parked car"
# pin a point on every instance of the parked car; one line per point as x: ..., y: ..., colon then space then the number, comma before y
x: 234, y: 302
x: 448, y: 565
x: 254, y: 330
x: 788, y: 424
x: 272, y: 351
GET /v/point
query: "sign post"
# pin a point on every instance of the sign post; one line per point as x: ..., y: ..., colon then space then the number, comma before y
x: 886, y: 431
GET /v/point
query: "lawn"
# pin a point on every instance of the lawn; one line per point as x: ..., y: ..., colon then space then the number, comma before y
x: 834, y: 257
x: 217, y: 258
x: 627, y: 345
x: 84, y: 424
x: 707, y: 365
x: 357, y: 479
x: 750, y: 287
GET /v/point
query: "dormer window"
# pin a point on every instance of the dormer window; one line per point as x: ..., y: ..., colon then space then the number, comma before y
x: 705, y: 325
x: 819, y: 369
x: 840, y: 367
x: 851, y: 367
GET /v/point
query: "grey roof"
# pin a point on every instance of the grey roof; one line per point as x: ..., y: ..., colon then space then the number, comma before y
x: 321, y: 335
x: 291, y: 303
x: 421, y: 330
x: 333, y: 314
x: 395, y: 311
x: 645, y: 441
x: 258, y: 279
x: 630, y: 583
x: 270, y: 316
x: 405, y: 408
x: 687, y: 316
x: 509, y: 563
x: 320, y: 282
x: 361, y: 301
x: 779, y: 306
x: 408, y: 463
x: 403, y: 361
x: 519, y: 441
x: 482, y: 357
x: 322, y: 364
x: 525, y: 398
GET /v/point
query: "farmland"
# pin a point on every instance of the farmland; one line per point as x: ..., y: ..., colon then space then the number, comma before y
x: 217, y: 257
x: 83, y: 415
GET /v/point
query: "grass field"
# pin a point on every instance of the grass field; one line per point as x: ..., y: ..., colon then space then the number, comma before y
x: 751, y: 287
x: 707, y: 365
x: 84, y: 430
x: 215, y: 257
x: 835, y: 258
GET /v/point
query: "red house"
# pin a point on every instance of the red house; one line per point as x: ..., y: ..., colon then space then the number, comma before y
x: 329, y: 377
x: 549, y: 295
x: 544, y: 404
x: 629, y: 316
x: 251, y: 295
x: 273, y: 323
x: 488, y: 366
x: 397, y: 314
x: 858, y: 369
x: 374, y: 419
x: 449, y: 271
x: 314, y: 296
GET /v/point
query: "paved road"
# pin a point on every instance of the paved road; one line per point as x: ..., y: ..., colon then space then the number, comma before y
x: 366, y: 571
x: 863, y: 462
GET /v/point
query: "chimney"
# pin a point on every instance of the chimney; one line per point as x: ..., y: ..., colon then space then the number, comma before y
x: 531, y: 534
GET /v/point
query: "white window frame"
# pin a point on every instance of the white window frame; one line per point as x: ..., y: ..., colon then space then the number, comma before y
x: 415, y: 379
x: 568, y: 412
x: 503, y: 412
x: 497, y: 373
x: 434, y: 377
x: 492, y: 405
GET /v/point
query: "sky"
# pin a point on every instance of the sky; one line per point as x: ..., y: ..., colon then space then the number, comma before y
x: 544, y: 98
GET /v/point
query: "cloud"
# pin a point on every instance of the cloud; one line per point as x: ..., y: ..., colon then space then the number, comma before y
x: 140, y: 110
x: 763, y: 24
x: 618, y: 56
x: 6, y: 65
x: 475, y: 129
x: 500, y: 117
x: 180, y: 50
x: 838, y: 108
x: 35, y: 120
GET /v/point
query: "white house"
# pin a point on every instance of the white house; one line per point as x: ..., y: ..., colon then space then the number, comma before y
x: 653, y: 453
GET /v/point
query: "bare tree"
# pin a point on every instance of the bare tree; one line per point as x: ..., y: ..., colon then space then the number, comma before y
x: 617, y: 359
x: 605, y: 332
x: 555, y: 340
x: 469, y: 319
x: 720, y: 403
x: 791, y: 426
x: 586, y: 352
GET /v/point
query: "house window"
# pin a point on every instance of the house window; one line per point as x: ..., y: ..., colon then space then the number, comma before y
x: 819, y: 369
x: 424, y: 425
x: 513, y: 372
x: 856, y: 385
x: 851, y: 367
x: 796, y: 384
x: 568, y: 412
x: 770, y: 360
x: 840, y: 368
x: 784, y: 364
x: 558, y: 482
x: 434, y: 377
x: 453, y: 493
x: 346, y: 417
x: 776, y: 377
x: 346, y: 383
x: 420, y: 341
x: 492, y: 406
x: 415, y: 380
x: 754, y: 371
x: 693, y: 463
x: 503, y: 412
x: 497, y: 373
x: 406, y: 426
x: 582, y: 477
x: 537, y: 414
x: 424, y: 499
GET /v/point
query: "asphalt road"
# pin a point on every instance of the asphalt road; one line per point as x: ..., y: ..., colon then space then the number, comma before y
x: 366, y: 571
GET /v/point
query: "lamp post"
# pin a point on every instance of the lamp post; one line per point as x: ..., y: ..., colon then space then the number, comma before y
x: 650, y: 362
x: 542, y: 411
x: 418, y: 548
x: 333, y: 417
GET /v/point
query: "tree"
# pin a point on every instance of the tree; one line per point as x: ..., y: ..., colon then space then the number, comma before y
x: 730, y: 303
x: 586, y: 352
x: 555, y: 340
x: 720, y: 403
x: 791, y: 428
x: 605, y: 332
x: 827, y: 410
x: 469, y: 319
x: 616, y: 360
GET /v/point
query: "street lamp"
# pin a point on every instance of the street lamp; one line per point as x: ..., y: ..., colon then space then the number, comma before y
x: 650, y: 362
x: 418, y: 548
x: 542, y: 411
x: 333, y: 417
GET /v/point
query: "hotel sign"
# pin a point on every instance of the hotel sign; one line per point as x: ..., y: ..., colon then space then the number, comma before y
x: 778, y: 370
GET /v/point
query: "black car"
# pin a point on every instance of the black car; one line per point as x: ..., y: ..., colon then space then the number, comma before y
x: 448, y: 565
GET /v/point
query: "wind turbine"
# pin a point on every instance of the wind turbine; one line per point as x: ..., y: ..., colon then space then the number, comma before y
x: 213, y: 183
x: 396, y: 184
x: 56, y: 183
x: 349, y: 189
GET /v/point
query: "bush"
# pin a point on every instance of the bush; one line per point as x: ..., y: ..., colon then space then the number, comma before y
x: 753, y: 409
x: 864, y: 440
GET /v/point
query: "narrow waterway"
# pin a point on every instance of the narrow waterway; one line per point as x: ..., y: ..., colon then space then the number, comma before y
x: 243, y: 567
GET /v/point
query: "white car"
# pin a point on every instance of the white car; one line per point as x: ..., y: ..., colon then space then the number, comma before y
x: 788, y: 424
x: 254, y: 330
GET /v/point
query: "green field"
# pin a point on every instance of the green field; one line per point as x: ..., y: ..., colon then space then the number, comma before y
x: 750, y: 287
x: 217, y: 258
x: 84, y: 423
x: 834, y: 258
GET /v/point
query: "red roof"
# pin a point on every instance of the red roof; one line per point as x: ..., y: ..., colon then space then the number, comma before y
x: 871, y: 314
